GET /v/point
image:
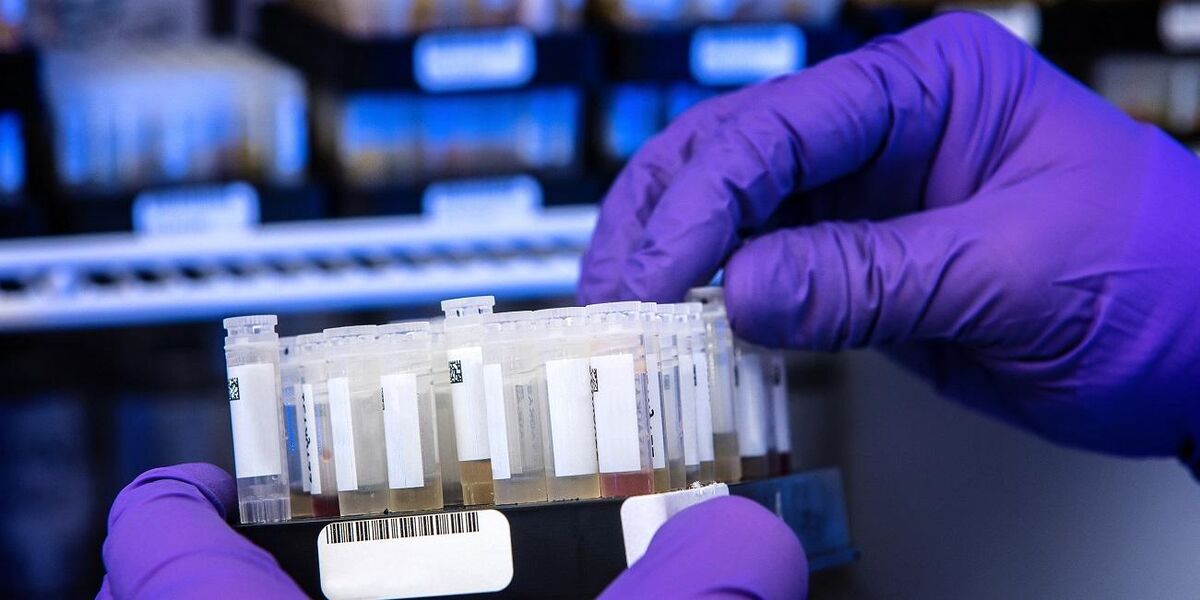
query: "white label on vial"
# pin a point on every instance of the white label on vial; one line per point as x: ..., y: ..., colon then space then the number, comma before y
x: 402, y: 431
x: 572, y: 424
x: 497, y: 418
x: 470, y: 404
x: 311, y: 455
x: 687, y: 399
x: 753, y: 423
x: 254, y: 412
x: 344, y: 461
x: 723, y: 55
x: 614, y: 396
x: 416, y: 556
x: 704, y: 418
x: 641, y: 516
x: 777, y: 379
x: 473, y: 60
x: 654, y: 411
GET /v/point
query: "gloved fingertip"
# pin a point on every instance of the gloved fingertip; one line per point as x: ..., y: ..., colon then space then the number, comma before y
x: 756, y: 296
x: 217, y: 486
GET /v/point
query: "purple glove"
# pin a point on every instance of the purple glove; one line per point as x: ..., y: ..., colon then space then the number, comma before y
x: 722, y: 548
x: 947, y: 195
x: 167, y: 538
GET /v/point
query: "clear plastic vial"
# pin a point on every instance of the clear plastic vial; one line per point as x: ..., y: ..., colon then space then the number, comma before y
x: 409, y: 417
x: 464, y: 363
x: 256, y: 412
x: 293, y: 424
x: 719, y: 340
x: 318, y: 427
x: 356, y: 411
x: 777, y: 384
x: 669, y: 388
x: 447, y: 447
x: 572, y: 470
x: 693, y: 384
x: 514, y: 407
x: 618, y: 381
x: 753, y: 411
x: 661, y: 431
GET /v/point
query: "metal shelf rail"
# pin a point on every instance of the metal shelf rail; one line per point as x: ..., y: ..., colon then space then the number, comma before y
x: 119, y: 279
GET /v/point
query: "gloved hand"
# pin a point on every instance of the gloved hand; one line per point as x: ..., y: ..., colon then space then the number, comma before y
x: 949, y: 196
x: 722, y: 548
x: 167, y: 538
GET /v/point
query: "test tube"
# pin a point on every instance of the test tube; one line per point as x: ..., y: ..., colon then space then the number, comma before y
x: 660, y: 430
x: 464, y: 358
x: 698, y: 451
x: 409, y: 422
x: 572, y: 470
x: 676, y: 330
x: 514, y: 408
x: 255, y: 410
x: 356, y: 411
x: 318, y: 426
x: 719, y: 341
x: 618, y: 379
x: 777, y: 384
x: 671, y: 413
x: 293, y: 423
x: 753, y: 411
x: 447, y: 447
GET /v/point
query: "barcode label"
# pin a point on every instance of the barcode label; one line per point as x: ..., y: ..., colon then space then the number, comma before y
x: 395, y: 528
x: 416, y: 556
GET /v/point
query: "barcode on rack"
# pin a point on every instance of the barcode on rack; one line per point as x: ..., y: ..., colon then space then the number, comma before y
x: 401, y: 527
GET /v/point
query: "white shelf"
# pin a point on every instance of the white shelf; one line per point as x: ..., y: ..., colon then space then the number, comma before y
x: 113, y: 279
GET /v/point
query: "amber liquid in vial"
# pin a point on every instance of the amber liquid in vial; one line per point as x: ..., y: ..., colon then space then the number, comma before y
x: 428, y: 497
x: 708, y: 471
x: 692, y: 473
x: 578, y: 487
x: 360, y: 502
x: 620, y: 485
x: 662, y: 480
x: 477, y: 484
x: 302, y: 505
x: 728, y: 464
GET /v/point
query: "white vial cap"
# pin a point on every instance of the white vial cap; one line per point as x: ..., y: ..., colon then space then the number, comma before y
x: 465, y: 307
x: 612, y: 307
x: 310, y: 338
x: 250, y: 321
x: 403, y: 327
x: 711, y: 299
x: 351, y: 331
x: 568, y: 312
x: 706, y: 295
x: 287, y: 348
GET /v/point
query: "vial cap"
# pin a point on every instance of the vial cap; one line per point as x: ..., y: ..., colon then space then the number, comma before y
x: 707, y: 295
x: 310, y: 338
x: 473, y: 305
x: 403, y: 327
x: 250, y: 321
x: 351, y: 331
x: 513, y: 316
x: 611, y: 307
x: 288, y: 346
